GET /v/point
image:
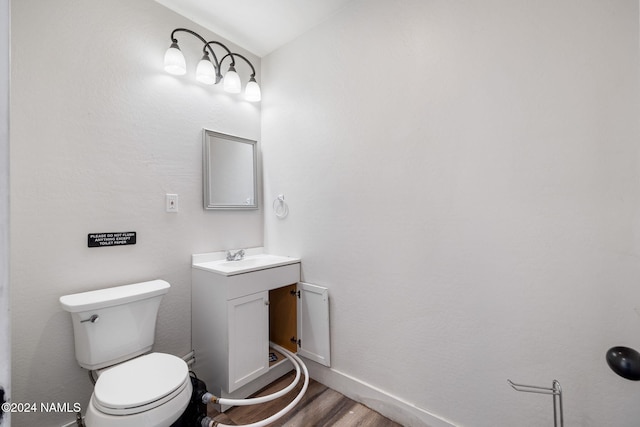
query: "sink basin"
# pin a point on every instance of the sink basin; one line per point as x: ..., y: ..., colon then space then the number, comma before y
x: 249, y: 263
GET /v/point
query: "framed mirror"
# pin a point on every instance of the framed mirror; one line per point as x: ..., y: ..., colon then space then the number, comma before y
x: 230, y: 171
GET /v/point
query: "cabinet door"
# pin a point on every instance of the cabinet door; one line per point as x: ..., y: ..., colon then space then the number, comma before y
x: 283, y: 324
x: 248, y: 338
x: 313, y: 323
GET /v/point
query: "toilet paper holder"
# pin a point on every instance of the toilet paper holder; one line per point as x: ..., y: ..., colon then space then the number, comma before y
x: 555, y: 390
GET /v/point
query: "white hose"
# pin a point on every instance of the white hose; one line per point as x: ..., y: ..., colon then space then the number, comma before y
x: 294, y: 359
x: 261, y: 399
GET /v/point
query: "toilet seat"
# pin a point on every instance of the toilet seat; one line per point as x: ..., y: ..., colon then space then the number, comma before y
x: 140, y: 384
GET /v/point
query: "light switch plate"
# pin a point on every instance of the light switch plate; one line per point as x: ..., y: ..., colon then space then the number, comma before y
x: 171, y: 203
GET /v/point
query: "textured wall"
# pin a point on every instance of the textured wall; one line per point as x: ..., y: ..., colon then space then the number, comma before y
x: 463, y: 176
x: 99, y: 134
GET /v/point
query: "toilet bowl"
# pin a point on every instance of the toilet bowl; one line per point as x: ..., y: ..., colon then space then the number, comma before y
x: 114, y: 330
x: 151, y: 390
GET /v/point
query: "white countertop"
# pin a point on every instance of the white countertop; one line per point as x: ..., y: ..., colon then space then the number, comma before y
x: 255, y: 259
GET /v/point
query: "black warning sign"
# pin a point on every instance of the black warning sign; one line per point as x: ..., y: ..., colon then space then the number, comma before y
x: 98, y: 240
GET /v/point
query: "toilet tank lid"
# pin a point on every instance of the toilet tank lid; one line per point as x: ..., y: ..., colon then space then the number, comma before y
x: 117, y: 295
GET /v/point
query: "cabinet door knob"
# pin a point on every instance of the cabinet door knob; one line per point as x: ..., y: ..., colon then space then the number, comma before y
x: 266, y: 302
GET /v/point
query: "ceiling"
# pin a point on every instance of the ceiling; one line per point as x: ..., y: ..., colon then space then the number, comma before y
x: 259, y: 26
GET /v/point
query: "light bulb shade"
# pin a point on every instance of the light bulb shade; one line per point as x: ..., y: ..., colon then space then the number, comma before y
x: 232, y: 82
x: 205, y: 71
x: 252, y: 91
x: 174, y: 62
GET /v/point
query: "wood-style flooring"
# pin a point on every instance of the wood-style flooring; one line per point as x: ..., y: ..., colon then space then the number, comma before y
x: 320, y: 406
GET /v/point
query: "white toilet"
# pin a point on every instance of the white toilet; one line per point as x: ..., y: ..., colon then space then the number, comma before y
x: 113, y: 329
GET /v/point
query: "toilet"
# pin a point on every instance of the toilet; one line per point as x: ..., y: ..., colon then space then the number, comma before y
x: 114, y: 331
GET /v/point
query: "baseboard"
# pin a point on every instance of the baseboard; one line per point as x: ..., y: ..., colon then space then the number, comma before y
x: 390, y: 406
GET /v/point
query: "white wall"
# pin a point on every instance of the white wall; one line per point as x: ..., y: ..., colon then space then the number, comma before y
x: 99, y: 134
x: 5, y: 329
x: 464, y: 177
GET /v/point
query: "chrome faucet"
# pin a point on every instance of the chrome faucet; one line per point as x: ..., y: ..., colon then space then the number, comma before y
x: 238, y: 256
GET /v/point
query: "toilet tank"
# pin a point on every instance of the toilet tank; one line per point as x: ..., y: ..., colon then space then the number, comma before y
x: 114, y: 324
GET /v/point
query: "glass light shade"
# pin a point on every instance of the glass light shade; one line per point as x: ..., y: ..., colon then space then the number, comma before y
x: 205, y: 71
x: 252, y: 91
x: 232, y: 82
x: 174, y: 62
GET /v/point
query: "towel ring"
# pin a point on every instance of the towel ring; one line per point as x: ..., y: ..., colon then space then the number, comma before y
x: 280, y: 208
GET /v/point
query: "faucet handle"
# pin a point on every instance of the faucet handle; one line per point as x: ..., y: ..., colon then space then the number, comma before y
x: 235, y: 256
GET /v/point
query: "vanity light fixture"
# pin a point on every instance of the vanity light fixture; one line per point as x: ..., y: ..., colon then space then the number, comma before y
x: 209, y: 72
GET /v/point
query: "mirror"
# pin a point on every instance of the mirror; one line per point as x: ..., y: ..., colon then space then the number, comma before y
x: 230, y: 172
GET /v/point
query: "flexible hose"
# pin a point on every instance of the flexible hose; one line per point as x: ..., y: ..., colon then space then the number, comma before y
x: 208, y: 397
x: 208, y: 422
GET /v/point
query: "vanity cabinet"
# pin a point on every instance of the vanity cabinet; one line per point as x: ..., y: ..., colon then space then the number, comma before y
x: 235, y: 316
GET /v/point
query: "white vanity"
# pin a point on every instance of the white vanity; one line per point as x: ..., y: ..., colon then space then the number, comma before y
x: 239, y: 306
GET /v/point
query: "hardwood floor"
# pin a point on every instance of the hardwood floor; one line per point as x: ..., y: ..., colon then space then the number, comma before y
x: 320, y: 406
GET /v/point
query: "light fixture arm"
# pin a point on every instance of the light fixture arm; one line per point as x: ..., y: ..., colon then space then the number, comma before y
x: 253, y: 70
x: 193, y: 33
x: 203, y: 40
x: 208, y: 45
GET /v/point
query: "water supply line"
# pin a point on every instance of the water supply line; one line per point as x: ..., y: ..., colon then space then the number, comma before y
x: 208, y: 397
x: 190, y: 358
x: 297, y: 363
